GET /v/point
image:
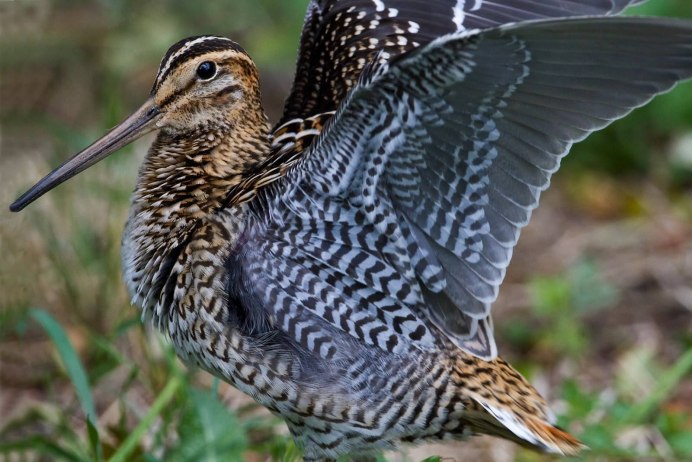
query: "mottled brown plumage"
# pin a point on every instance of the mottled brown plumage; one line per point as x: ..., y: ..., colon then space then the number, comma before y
x: 340, y: 267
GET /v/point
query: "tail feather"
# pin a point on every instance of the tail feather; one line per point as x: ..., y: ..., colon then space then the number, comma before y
x: 555, y: 438
x: 528, y: 431
x: 504, y: 404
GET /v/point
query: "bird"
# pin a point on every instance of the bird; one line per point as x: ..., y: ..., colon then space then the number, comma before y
x: 340, y: 266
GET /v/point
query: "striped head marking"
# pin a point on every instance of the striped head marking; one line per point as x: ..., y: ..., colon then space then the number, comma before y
x: 200, y: 80
x: 206, y: 86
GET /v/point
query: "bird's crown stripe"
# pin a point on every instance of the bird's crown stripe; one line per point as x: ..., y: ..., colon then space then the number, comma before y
x: 178, y: 51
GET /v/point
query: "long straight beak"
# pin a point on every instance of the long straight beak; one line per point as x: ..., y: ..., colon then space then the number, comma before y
x: 142, y: 121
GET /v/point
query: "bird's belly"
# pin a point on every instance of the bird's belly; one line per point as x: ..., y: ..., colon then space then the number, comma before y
x: 360, y: 408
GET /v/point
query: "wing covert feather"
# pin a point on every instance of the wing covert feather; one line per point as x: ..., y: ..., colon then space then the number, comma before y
x: 406, y: 209
x: 340, y: 37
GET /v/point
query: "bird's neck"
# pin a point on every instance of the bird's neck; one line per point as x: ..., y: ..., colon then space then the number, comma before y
x: 184, y: 180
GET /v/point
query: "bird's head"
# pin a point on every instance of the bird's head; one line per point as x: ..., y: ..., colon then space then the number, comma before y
x: 204, y: 87
x: 203, y: 83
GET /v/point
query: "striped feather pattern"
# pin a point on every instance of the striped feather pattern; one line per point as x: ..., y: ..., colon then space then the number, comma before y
x: 341, y: 269
x: 416, y: 193
x: 340, y: 37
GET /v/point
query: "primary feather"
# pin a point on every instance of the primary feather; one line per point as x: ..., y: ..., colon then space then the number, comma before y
x: 435, y: 161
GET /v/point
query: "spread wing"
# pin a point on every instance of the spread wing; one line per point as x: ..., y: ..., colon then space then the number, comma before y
x: 341, y: 36
x: 404, y: 212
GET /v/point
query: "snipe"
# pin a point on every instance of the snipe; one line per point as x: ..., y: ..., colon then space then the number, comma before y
x: 340, y: 267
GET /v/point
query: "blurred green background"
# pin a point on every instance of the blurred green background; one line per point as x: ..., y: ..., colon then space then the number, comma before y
x: 596, y: 309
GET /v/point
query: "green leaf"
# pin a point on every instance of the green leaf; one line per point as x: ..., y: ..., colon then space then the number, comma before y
x: 150, y: 458
x: 580, y: 403
x: 208, y: 431
x: 681, y: 443
x: 70, y: 360
x: 550, y: 295
x: 597, y: 437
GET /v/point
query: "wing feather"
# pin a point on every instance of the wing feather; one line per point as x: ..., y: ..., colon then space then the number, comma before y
x: 406, y: 209
x: 340, y: 37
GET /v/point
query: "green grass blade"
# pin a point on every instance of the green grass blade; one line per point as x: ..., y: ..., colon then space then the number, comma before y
x: 70, y: 359
x: 130, y: 444
x: 666, y: 384
x: 40, y: 445
x: 94, y: 441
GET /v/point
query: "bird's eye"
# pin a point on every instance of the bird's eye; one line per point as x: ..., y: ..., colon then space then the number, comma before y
x: 206, y: 70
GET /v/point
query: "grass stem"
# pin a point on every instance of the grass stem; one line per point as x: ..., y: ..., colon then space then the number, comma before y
x: 130, y: 444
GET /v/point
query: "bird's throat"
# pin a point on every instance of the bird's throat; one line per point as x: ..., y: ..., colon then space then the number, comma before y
x: 184, y: 182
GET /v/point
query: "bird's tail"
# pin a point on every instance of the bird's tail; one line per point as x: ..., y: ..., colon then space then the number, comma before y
x: 504, y: 404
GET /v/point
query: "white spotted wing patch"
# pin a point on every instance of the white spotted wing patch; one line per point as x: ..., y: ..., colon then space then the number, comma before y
x: 341, y: 38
